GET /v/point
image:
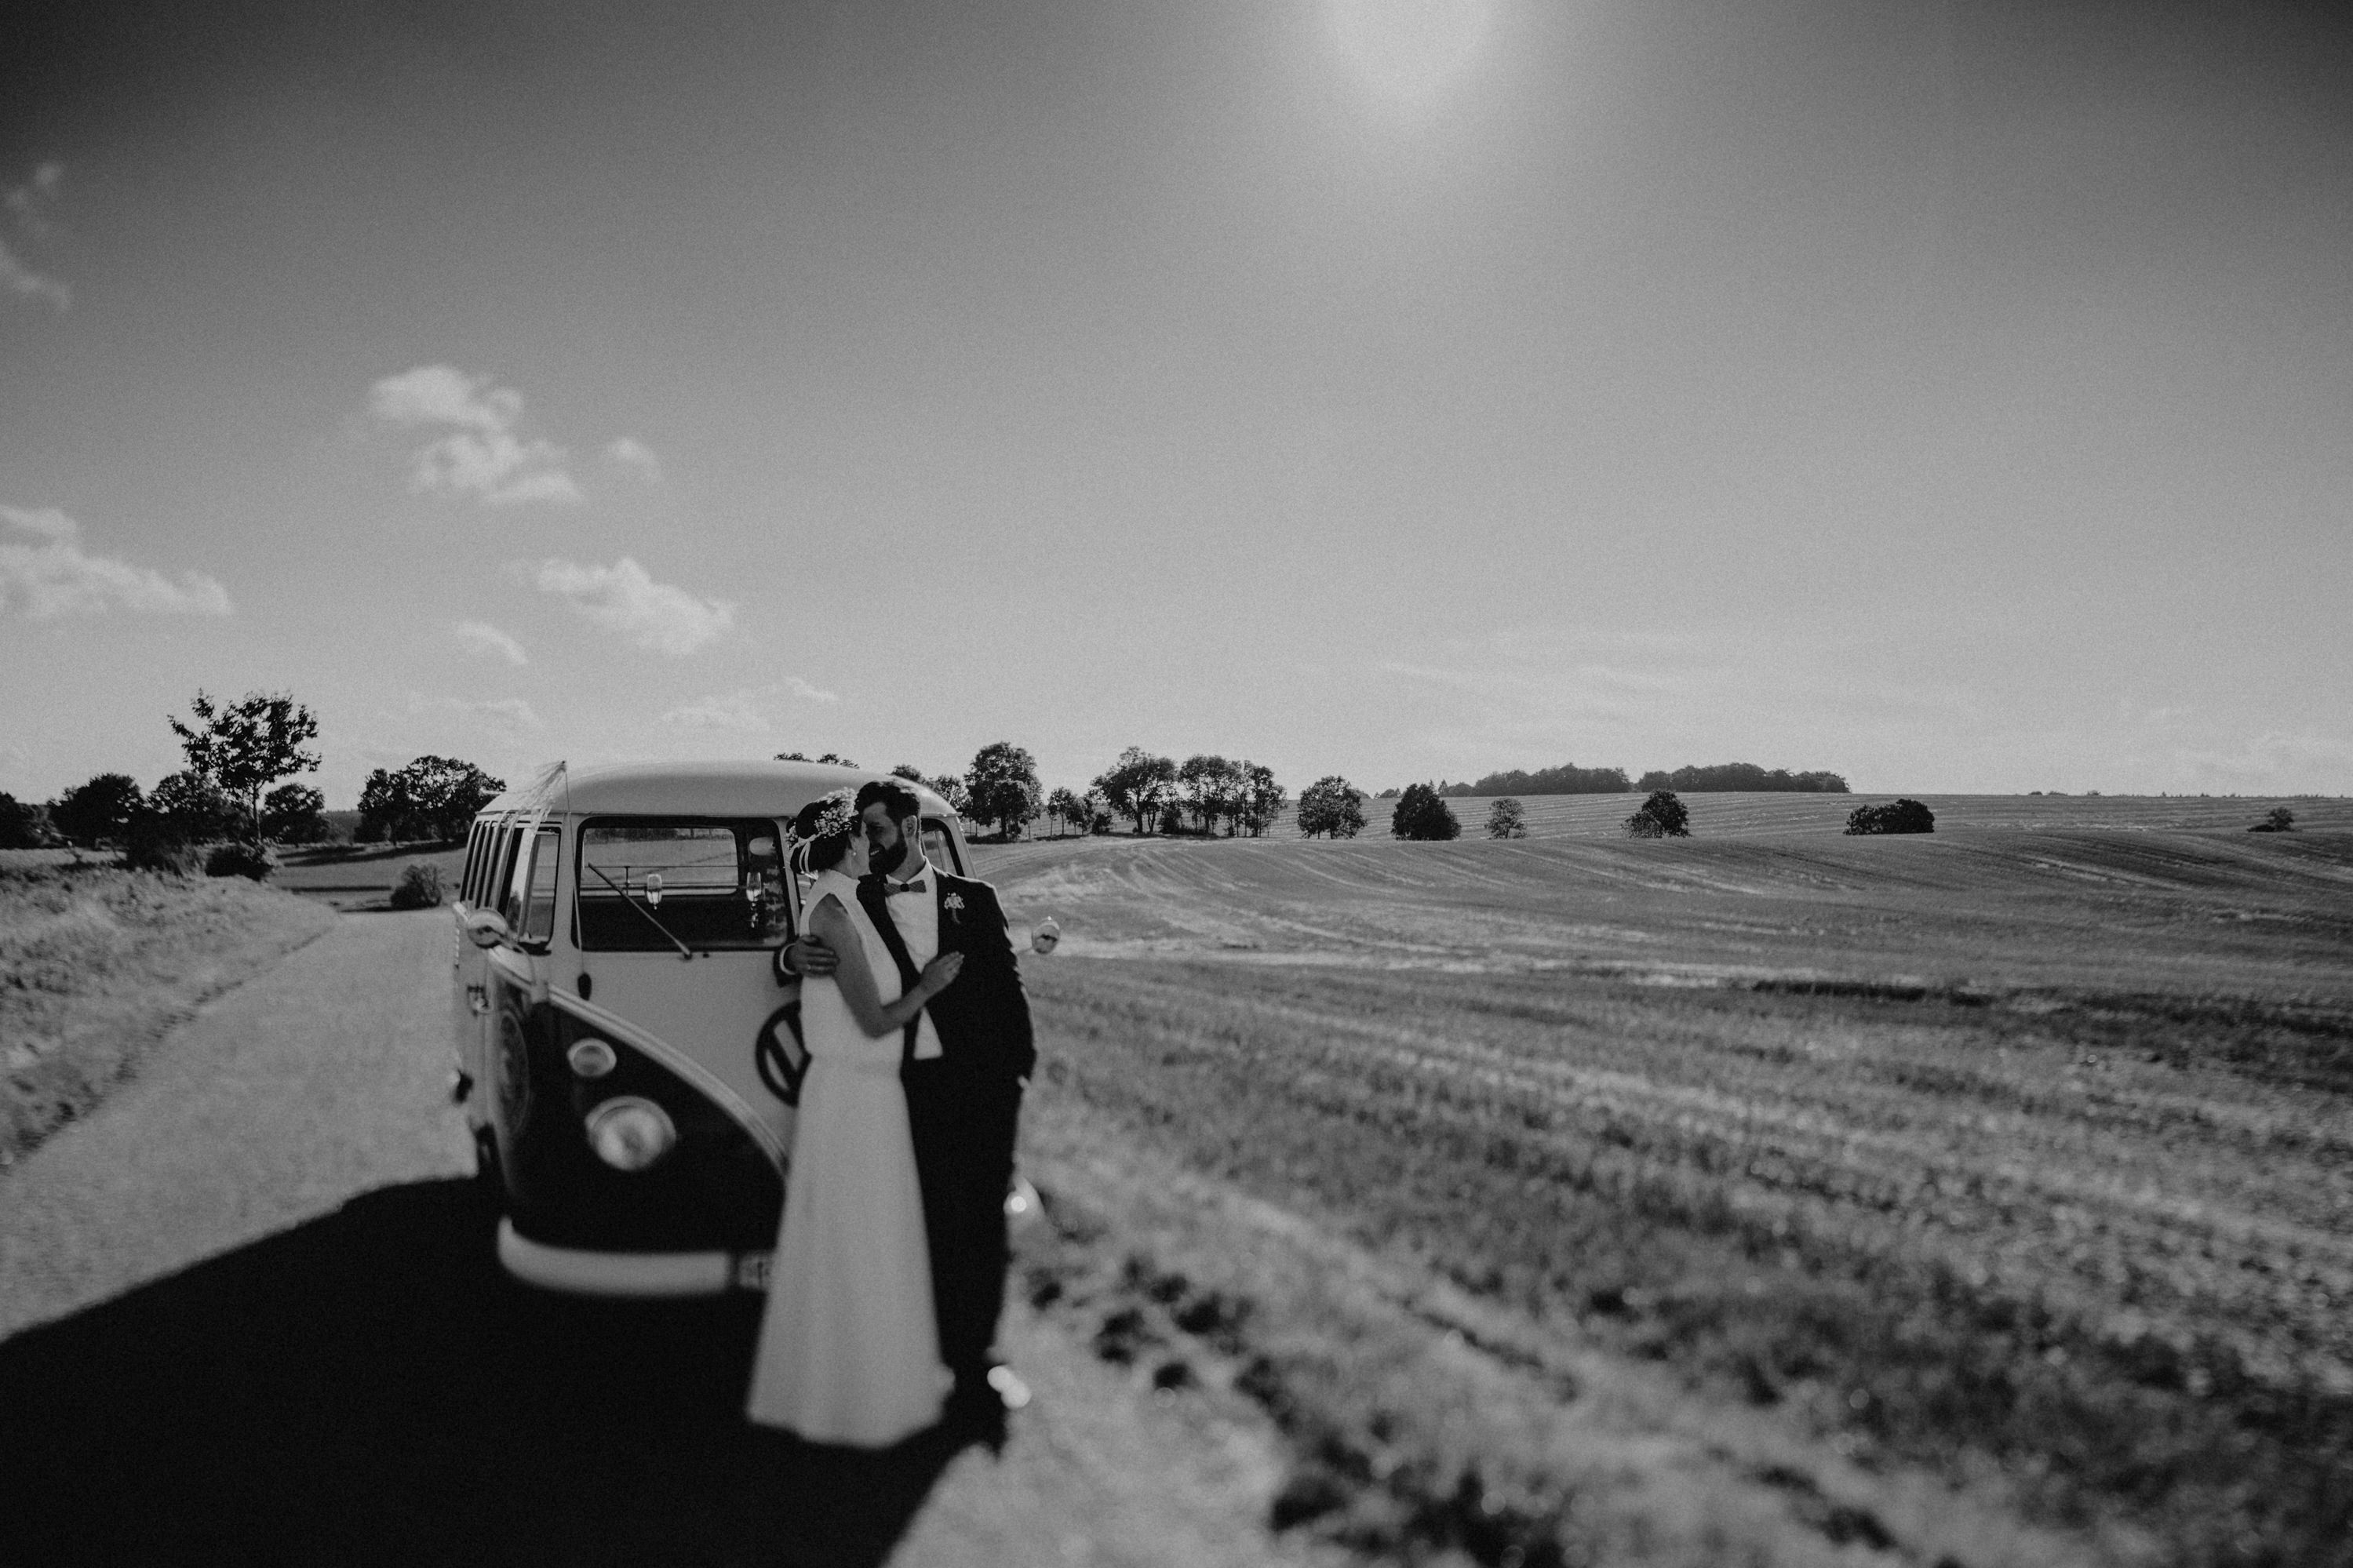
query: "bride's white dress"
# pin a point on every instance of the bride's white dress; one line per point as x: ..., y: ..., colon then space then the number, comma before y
x: 850, y: 1348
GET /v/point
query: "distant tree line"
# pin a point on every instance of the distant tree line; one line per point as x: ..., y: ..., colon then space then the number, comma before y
x: 1566, y: 779
x: 217, y: 813
x: 1724, y: 777
x: 1571, y: 779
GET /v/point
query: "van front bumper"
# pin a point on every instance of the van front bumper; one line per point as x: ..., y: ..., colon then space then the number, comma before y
x: 582, y: 1273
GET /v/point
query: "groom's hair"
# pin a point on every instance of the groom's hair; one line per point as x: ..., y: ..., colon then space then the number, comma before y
x: 895, y: 798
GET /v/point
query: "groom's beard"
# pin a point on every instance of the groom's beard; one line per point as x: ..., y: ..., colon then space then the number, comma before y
x: 888, y: 860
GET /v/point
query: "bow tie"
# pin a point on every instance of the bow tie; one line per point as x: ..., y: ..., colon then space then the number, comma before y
x: 890, y: 887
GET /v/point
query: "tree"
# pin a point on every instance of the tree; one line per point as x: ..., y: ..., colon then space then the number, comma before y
x: 1138, y: 784
x: 1207, y: 787
x: 294, y: 814
x: 1506, y: 820
x: 1660, y: 816
x: 949, y: 788
x: 193, y: 809
x: 244, y: 747
x: 1421, y: 815
x: 1097, y: 811
x: 2279, y: 819
x: 20, y: 825
x: 1904, y: 815
x: 431, y: 798
x: 1258, y: 800
x: 911, y: 772
x: 1331, y: 805
x: 101, y: 808
x: 1065, y: 808
x: 1003, y: 782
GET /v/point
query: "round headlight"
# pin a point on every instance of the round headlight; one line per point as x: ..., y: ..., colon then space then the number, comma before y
x: 630, y: 1133
x: 591, y: 1058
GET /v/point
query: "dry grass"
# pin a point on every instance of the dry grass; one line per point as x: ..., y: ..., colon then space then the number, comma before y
x: 97, y: 964
x: 2014, y: 1161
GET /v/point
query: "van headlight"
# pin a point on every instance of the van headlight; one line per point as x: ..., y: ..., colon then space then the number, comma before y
x: 630, y: 1133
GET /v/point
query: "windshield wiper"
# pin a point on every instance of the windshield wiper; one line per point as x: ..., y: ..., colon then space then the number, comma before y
x: 684, y: 951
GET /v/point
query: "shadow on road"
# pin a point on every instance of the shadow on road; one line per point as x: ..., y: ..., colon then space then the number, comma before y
x: 371, y: 1387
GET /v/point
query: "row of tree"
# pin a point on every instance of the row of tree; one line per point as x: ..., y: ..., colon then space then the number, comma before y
x: 236, y: 752
x: 1205, y: 791
x: 1715, y: 778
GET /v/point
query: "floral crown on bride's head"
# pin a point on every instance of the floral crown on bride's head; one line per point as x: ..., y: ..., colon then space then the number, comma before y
x: 828, y: 816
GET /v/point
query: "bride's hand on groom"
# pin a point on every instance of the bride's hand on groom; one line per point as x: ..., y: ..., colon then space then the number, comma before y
x: 940, y: 971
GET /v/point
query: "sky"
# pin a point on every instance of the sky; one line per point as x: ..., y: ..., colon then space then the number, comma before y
x: 1958, y: 397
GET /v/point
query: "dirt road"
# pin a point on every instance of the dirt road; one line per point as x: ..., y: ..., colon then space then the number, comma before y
x: 253, y: 1315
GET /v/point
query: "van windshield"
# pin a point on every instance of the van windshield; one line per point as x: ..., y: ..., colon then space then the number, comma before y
x: 651, y: 884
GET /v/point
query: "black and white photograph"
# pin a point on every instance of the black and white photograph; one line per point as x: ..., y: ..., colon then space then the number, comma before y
x: 1029, y: 784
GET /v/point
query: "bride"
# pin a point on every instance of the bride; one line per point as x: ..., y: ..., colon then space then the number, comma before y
x: 849, y: 1347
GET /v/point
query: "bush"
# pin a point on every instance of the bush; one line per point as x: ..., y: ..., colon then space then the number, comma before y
x: 419, y: 887
x: 1660, y: 816
x: 238, y: 859
x: 2280, y: 820
x: 1421, y: 815
x: 1506, y: 820
x: 1902, y: 816
x: 153, y: 842
x: 20, y: 825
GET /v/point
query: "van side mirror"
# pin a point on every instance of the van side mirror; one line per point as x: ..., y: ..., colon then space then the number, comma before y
x: 487, y: 928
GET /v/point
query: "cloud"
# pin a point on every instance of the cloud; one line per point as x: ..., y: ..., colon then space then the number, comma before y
x: 740, y: 710
x: 733, y: 712
x: 508, y: 713
x: 480, y: 637
x: 479, y: 453
x: 53, y: 576
x: 21, y: 279
x: 2272, y: 763
x: 624, y: 598
x: 26, y: 204
x: 638, y: 458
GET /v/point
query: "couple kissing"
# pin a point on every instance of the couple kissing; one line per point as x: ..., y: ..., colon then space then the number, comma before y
x: 889, y: 1273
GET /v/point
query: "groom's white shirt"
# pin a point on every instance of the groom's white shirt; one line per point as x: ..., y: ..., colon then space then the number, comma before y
x: 917, y: 916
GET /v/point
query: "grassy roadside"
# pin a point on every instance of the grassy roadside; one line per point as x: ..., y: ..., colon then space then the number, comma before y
x: 97, y: 964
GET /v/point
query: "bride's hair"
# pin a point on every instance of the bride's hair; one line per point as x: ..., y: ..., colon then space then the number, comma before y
x: 822, y: 831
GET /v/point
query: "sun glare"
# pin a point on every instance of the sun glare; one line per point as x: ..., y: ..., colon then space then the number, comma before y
x: 1408, y: 50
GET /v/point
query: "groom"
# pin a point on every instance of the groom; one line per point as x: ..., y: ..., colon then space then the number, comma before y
x: 967, y: 1058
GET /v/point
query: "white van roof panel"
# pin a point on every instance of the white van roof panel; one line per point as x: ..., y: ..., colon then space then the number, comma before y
x: 705, y: 789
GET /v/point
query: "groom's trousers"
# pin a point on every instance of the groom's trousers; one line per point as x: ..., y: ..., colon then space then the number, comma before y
x: 964, y: 1120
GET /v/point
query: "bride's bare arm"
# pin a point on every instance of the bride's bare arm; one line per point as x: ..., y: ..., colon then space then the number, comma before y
x: 875, y: 1016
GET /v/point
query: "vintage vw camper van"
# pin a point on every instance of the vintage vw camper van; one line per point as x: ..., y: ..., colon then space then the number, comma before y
x: 628, y: 1052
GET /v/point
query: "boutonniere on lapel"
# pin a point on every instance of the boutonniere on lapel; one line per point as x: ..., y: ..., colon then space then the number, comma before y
x: 954, y: 904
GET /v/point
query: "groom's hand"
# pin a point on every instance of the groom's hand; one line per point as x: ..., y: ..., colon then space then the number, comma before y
x: 808, y: 956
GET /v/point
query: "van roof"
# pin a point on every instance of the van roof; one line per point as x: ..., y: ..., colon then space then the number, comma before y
x: 701, y: 789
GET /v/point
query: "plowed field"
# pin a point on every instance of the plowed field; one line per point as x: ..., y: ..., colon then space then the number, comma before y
x: 1986, y: 1195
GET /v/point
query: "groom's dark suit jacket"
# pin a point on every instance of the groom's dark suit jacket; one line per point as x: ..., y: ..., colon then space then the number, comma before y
x: 984, y: 1018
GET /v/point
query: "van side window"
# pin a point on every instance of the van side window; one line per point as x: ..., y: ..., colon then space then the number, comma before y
x: 531, y: 907
x: 501, y: 864
x: 470, y: 885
